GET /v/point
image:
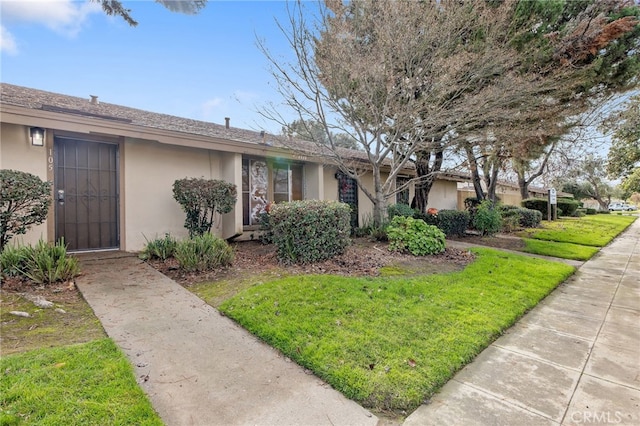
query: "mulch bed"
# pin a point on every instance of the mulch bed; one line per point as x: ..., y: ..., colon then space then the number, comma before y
x: 362, y: 258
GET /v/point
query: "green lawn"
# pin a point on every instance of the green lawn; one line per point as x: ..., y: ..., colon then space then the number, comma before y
x: 560, y: 250
x: 390, y: 343
x: 85, y: 384
x: 593, y: 230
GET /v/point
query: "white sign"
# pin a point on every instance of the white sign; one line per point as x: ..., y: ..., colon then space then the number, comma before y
x: 552, y: 196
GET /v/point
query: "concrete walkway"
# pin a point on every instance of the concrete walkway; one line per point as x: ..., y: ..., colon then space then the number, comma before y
x: 198, y: 367
x: 572, y: 360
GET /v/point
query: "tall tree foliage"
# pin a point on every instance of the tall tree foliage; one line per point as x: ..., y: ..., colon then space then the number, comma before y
x: 411, y: 80
x: 116, y: 8
x: 624, y: 155
x: 589, y: 47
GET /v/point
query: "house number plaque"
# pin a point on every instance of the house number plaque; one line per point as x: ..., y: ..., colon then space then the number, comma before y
x: 50, y: 160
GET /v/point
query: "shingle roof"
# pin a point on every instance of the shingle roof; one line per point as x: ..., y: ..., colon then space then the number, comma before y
x: 49, y: 101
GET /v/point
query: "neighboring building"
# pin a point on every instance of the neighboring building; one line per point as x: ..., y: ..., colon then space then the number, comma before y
x: 507, y: 192
x: 113, y: 168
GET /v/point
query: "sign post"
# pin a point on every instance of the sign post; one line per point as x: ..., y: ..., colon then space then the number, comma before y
x: 552, y: 205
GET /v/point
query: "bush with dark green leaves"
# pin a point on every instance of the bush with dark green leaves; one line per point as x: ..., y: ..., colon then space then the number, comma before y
x: 310, y: 231
x: 539, y: 204
x: 203, y: 253
x: 429, y: 218
x: 529, y: 218
x: 407, y: 234
x: 201, y: 199
x: 591, y: 211
x: 453, y: 222
x: 568, y: 206
x: 487, y: 218
x: 24, y: 201
x: 514, y: 216
x: 510, y: 218
x: 400, y: 210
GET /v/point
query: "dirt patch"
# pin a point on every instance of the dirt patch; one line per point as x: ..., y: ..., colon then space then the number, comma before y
x: 70, y: 320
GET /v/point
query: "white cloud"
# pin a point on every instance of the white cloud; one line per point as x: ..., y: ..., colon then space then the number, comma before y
x: 243, y: 96
x: 66, y: 17
x: 210, y: 106
x: 7, y: 42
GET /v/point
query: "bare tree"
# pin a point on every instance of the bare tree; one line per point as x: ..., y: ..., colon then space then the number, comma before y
x: 397, y: 77
x: 402, y: 77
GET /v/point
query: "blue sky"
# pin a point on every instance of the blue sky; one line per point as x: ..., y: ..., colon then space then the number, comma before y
x: 204, y: 66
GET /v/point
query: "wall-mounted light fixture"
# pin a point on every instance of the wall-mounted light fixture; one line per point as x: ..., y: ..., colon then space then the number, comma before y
x: 37, y: 136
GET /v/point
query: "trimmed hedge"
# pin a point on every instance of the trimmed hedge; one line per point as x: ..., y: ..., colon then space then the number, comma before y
x: 310, y: 231
x: 453, y: 222
x: 566, y: 206
x: 539, y: 204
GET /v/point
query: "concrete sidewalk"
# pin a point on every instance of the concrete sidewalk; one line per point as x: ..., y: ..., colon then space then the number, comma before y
x: 572, y: 360
x: 198, y: 367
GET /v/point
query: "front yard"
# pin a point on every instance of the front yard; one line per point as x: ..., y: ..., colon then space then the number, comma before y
x: 385, y: 329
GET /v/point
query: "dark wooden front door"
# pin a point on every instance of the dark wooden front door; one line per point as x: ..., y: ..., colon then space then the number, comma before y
x: 348, y: 193
x: 86, y: 194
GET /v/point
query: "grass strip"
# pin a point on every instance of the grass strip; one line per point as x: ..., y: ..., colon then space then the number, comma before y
x: 85, y: 384
x: 560, y: 250
x: 390, y: 343
x: 592, y: 230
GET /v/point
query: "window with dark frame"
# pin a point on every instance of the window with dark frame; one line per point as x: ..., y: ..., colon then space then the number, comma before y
x: 402, y: 196
x: 264, y: 182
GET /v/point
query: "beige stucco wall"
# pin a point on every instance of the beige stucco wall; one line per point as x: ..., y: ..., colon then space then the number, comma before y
x: 365, y: 206
x: 149, y: 170
x: 507, y: 196
x: 17, y: 153
x: 443, y: 195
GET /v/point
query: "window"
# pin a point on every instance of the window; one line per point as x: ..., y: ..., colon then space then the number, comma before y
x: 263, y: 182
x: 402, y: 196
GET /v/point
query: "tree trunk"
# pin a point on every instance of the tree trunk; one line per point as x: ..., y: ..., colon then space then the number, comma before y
x: 523, y: 184
x: 475, y: 175
x: 426, y: 175
x: 493, y: 184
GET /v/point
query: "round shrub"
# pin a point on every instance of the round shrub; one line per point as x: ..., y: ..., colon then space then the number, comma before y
x: 415, y: 236
x: 310, y: 231
x: 529, y: 218
x: 201, y: 199
x: 539, y: 204
x: 487, y: 218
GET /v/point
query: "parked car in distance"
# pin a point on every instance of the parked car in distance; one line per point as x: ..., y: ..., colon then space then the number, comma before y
x: 621, y: 207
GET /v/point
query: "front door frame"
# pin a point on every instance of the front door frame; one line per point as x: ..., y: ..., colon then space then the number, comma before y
x: 52, y: 155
